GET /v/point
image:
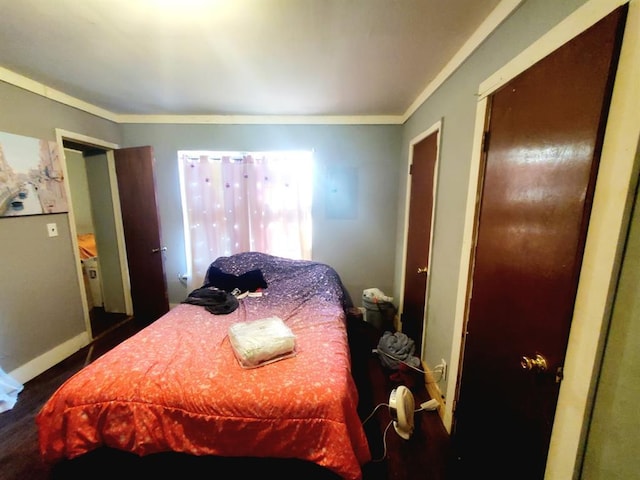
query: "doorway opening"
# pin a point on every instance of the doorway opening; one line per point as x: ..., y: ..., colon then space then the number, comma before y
x: 421, y: 200
x: 96, y: 229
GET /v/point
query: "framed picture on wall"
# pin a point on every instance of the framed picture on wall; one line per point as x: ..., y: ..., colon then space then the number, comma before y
x: 31, y: 179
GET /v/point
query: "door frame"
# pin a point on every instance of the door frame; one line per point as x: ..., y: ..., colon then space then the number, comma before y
x: 436, y: 127
x: 609, y: 222
x: 108, y: 147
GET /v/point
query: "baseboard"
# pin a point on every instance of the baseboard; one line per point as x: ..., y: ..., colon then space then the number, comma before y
x: 48, y: 359
x: 431, y: 385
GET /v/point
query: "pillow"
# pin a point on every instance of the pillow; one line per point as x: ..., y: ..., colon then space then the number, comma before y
x: 247, y: 282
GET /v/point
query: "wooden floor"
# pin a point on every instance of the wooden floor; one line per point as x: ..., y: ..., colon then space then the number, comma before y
x: 103, y: 321
x: 426, y: 455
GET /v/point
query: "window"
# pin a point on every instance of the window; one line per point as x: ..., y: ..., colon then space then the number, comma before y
x: 234, y: 202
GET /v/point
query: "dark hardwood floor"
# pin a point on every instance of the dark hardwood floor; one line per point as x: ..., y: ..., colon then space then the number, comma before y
x: 19, y: 456
x: 426, y: 455
x: 103, y: 321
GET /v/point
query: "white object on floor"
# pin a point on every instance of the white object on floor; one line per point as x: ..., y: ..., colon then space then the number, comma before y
x: 92, y: 271
x: 401, y: 408
x: 9, y: 390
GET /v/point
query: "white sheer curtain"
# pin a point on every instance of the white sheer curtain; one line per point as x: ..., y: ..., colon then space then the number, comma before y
x: 236, y: 202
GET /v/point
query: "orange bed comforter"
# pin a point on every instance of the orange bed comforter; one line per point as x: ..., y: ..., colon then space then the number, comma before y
x: 177, y: 385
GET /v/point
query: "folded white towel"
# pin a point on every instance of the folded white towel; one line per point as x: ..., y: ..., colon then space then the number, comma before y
x: 259, y: 342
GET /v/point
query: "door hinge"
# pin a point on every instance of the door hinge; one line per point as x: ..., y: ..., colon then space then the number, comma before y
x: 559, y: 374
x: 411, y: 169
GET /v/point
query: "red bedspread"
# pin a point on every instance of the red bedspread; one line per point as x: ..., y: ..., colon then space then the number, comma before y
x: 177, y: 386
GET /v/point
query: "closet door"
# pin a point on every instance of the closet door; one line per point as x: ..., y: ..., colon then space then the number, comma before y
x: 544, y: 133
x: 421, y: 205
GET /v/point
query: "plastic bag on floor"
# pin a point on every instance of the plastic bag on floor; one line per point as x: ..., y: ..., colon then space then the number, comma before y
x: 9, y: 390
x: 395, y: 348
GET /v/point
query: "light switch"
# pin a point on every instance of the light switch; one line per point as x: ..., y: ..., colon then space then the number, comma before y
x: 52, y: 229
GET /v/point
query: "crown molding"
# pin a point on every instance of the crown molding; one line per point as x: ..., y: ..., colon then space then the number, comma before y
x: 495, y: 18
x: 265, y: 119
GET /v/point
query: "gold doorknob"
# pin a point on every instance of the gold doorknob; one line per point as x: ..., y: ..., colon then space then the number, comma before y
x: 538, y: 363
x: 422, y: 270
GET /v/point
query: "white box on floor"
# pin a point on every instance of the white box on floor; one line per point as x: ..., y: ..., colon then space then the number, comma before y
x: 92, y: 272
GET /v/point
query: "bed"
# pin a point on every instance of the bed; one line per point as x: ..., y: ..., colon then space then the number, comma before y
x: 180, y: 386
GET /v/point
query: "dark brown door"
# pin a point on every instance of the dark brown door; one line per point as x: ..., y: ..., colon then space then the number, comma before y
x: 136, y: 185
x: 545, y: 131
x: 422, y: 170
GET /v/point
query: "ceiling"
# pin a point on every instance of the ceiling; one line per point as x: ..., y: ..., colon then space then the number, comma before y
x: 238, y: 57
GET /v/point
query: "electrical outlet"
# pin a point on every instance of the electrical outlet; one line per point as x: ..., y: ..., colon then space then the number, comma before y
x: 444, y: 369
x: 52, y: 229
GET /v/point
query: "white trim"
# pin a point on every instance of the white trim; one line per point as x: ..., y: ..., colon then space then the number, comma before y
x: 80, y: 138
x: 569, y: 28
x: 43, y: 90
x: 264, y: 119
x: 616, y: 182
x: 608, y: 226
x: 493, y: 21
x: 74, y: 235
x: 48, y: 359
x: 117, y: 215
x: 464, y: 275
x: 435, y: 128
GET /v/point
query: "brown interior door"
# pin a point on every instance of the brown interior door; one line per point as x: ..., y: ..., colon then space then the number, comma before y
x: 545, y: 131
x: 145, y: 253
x: 422, y: 170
